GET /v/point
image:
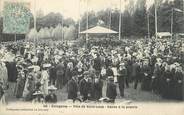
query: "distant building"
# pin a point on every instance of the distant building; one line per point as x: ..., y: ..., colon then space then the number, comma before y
x: 163, y: 35
x: 180, y: 35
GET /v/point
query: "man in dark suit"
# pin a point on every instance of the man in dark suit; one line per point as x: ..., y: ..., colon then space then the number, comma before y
x: 85, y: 86
x: 121, y: 78
x: 136, y: 73
x: 97, y: 63
x: 60, y: 75
x: 111, y: 92
x: 1, y: 90
x: 73, y: 87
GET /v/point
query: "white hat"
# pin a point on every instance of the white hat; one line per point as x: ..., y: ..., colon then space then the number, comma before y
x: 31, y: 67
x: 47, y: 65
x: 38, y: 93
x: 177, y: 64
x: 36, y: 68
x: 52, y: 87
x: 122, y: 64
x: 159, y: 59
x: 172, y: 66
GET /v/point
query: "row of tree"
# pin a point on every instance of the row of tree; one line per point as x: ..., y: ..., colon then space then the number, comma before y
x: 55, y: 33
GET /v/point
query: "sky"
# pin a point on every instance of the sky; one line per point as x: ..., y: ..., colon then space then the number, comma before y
x: 71, y: 8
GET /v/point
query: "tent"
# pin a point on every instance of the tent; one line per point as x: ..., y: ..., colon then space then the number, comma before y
x: 164, y: 34
x: 99, y: 30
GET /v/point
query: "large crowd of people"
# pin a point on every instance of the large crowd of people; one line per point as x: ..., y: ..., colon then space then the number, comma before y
x: 33, y: 72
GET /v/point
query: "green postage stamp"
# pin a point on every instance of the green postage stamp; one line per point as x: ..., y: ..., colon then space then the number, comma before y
x: 16, y: 17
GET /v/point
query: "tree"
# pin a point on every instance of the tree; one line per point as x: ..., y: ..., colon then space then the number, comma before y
x: 140, y: 25
x: 33, y: 34
x: 57, y: 32
x: 69, y: 33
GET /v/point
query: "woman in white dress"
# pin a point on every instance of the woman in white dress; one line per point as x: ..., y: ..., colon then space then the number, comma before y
x: 45, y: 78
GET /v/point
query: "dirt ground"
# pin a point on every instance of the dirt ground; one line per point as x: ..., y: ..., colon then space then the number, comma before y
x: 131, y: 95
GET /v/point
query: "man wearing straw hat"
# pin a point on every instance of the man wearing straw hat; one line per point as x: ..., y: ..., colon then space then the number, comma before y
x: 51, y: 97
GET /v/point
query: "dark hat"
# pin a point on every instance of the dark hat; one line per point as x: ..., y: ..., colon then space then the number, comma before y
x: 30, y: 76
x: 38, y: 84
x: 74, y: 73
x: 1, y: 82
x: 19, y: 67
x: 25, y: 70
x: 28, y: 61
x: 98, y: 72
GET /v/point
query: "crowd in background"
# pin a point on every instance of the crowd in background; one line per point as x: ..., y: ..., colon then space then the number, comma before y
x: 34, y: 72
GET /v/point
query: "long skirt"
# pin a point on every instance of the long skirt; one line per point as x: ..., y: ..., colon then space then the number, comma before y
x: 45, y: 87
x: 60, y: 81
x: 20, y: 88
x: 104, y: 88
x: 2, y: 100
x: 146, y: 83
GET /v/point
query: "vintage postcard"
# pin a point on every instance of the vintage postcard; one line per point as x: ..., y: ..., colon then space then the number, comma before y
x: 91, y: 57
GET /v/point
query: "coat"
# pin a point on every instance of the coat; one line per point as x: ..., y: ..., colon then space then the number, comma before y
x: 52, y: 74
x: 1, y: 92
x: 146, y: 78
x: 20, y: 86
x: 97, y: 64
x: 135, y: 70
x: 84, y: 88
x: 51, y: 98
x: 28, y: 89
x: 12, y: 71
x: 72, y: 89
x: 68, y: 74
x: 109, y: 72
x: 178, y: 85
x: 111, y: 92
x: 98, y: 90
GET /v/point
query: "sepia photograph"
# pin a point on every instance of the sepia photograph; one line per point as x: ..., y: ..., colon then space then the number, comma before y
x: 68, y: 53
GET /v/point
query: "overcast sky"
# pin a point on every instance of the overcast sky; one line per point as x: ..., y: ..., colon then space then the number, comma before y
x: 70, y: 8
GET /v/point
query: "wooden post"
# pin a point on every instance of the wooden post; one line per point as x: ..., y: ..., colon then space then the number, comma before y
x: 62, y: 24
x: 120, y: 22
x: 109, y: 22
x: 15, y: 38
x: 148, y: 25
x: 156, y: 29
x: 79, y: 21
x: 172, y: 13
x: 87, y: 22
